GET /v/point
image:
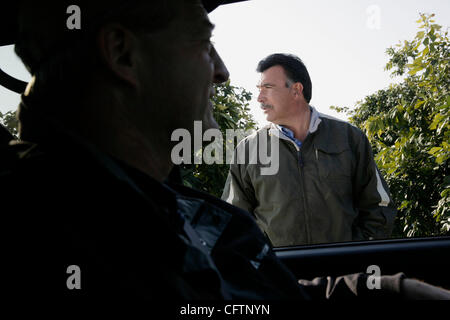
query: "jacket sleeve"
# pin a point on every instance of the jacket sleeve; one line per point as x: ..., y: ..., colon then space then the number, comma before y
x: 372, y: 197
x: 238, y: 189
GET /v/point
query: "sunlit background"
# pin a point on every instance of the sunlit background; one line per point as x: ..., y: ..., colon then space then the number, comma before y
x: 342, y: 43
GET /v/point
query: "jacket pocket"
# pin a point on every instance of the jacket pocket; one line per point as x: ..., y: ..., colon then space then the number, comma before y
x: 334, y: 163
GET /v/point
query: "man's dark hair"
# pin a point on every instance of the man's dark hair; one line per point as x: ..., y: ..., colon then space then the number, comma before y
x: 293, y: 67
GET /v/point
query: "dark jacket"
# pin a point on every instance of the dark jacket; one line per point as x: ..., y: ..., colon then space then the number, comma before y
x: 65, y: 203
x: 329, y: 190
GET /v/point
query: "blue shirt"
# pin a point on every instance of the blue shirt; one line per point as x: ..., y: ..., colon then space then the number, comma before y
x: 290, y: 134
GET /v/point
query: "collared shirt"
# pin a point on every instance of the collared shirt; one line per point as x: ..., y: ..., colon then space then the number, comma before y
x: 290, y: 134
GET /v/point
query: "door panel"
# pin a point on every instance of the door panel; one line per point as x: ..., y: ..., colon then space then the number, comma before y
x: 426, y: 259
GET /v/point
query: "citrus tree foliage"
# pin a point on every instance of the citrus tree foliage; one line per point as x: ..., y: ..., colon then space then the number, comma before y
x: 9, y: 120
x: 231, y: 111
x: 408, y: 127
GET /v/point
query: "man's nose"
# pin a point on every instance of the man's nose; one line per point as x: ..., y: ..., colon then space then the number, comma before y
x: 261, y: 97
x: 221, y: 73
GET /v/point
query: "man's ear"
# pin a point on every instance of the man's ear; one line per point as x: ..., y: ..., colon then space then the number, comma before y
x: 298, y: 89
x: 118, y: 48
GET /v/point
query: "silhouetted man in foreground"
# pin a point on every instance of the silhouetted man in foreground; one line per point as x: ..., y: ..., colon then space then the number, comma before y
x: 86, y: 212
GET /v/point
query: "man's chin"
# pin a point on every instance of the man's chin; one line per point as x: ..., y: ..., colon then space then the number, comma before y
x: 269, y: 118
x: 209, y: 122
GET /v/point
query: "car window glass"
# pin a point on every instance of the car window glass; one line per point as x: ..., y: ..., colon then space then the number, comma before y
x: 398, y: 97
x: 345, y: 47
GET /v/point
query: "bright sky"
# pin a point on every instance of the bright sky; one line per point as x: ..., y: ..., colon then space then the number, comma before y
x: 342, y: 43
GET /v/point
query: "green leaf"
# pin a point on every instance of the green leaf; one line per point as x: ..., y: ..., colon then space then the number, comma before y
x: 221, y: 107
x: 418, y: 104
x: 440, y: 159
x: 415, y: 70
x: 432, y: 35
x: 436, y: 121
x: 434, y: 150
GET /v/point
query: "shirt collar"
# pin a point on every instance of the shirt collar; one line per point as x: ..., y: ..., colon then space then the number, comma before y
x: 288, y: 132
x: 313, y: 124
x: 275, y: 130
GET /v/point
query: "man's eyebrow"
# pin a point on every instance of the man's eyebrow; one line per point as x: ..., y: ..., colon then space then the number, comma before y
x: 265, y: 84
